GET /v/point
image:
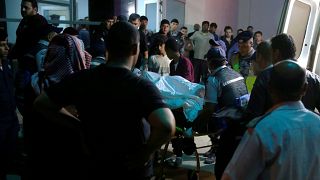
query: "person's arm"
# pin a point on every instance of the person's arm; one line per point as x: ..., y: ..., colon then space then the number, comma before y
x: 206, y: 113
x: 54, y: 112
x: 162, y: 124
x: 211, y: 98
x: 160, y: 119
x: 40, y: 59
x: 247, y: 161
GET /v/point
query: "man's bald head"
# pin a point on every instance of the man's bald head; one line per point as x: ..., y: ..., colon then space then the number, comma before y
x: 288, y: 81
x: 122, y: 38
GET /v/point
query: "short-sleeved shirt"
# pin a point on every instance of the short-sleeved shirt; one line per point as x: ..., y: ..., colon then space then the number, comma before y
x: 281, y: 145
x: 159, y: 64
x: 112, y: 103
x: 260, y: 98
x: 213, y: 88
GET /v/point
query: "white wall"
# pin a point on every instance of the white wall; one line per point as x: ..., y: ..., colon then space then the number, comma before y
x: 222, y: 12
x: 263, y: 15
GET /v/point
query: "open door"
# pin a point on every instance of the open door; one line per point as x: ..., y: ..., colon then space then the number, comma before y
x: 300, y: 19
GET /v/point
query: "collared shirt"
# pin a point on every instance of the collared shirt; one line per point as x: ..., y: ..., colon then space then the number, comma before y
x: 283, y: 144
x: 213, y: 89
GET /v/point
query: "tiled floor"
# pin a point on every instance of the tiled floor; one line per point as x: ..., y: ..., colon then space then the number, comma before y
x: 189, y: 164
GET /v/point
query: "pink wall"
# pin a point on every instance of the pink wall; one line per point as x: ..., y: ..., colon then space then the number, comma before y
x: 222, y: 12
x: 263, y: 15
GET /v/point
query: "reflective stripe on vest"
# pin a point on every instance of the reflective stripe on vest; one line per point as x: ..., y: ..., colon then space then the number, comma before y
x: 232, y: 81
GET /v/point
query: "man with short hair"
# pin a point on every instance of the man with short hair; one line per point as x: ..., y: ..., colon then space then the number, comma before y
x: 132, y: 107
x: 29, y: 33
x: 9, y: 125
x: 283, y: 48
x: 250, y: 28
x: 180, y: 65
x: 223, y: 87
x: 257, y: 39
x: 282, y: 144
x: 164, y: 31
x: 134, y: 19
x: 143, y: 27
x: 196, y: 27
x: 241, y: 61
x: 174, y: 27
x: 212, y: 29
x: 29, y: 8
x: 263, y: 58
x: 201, y: 46
x: 227, y: 38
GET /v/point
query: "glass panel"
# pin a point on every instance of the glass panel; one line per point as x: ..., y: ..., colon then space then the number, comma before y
x: 58, y: 1
x: 55, y: 12
x: 11, y: 29
x: 298, y: 24
x: 82, y: 9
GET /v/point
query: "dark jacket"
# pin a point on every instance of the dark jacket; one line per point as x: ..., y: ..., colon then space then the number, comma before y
x: 260, y: 98
x: 7, y: 100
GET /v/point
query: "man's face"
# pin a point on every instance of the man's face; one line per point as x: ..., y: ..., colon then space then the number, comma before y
x: 205, y: 27
x: 4, y: 49
x: 184, y: 32
x: 27, y: 9
x: 144, y: 24
x: 212, y: 29
x: 109, y: 23
x: 165, y: 28
x: 136, y: 23
x: 245, y: 46
x: 258, y: 37
x: 196, y: 27
x: 228, y: 33
x: 174, y: 26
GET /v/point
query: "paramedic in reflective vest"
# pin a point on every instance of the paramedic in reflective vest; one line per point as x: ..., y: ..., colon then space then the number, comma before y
x: 223, y: 87
x: 242, y: 60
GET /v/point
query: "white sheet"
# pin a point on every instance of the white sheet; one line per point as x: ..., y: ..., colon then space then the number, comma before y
x: 179, y: 92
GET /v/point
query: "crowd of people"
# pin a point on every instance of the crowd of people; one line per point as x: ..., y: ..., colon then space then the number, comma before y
x: 85, y: 109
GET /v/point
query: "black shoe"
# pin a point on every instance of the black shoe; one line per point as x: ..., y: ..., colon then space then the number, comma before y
x: 210, y: 160
x: 174, y: 161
